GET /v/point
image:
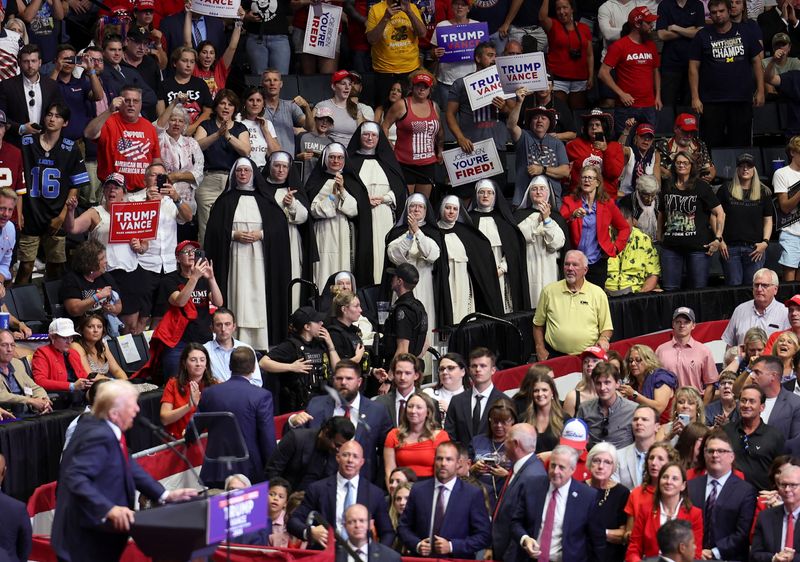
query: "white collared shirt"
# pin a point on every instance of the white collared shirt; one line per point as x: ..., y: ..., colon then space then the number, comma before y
x: 362, y: 551
x: 354, y: 409
x: 341, y: 494
x: 558, y: 522
x: 161, y: 251
x: 796, y: 514
x: 518, y: 466
x: 397, y: 400
x: 35, y: 110
x: 220, y: 361
x: 484, y: 400
x: 448, y: 489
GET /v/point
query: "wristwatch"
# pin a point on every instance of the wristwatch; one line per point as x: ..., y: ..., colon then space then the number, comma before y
x: 635, y: 395
x: 719, y: 238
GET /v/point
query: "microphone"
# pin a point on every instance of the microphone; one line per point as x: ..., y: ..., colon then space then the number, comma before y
x: 166, y: 439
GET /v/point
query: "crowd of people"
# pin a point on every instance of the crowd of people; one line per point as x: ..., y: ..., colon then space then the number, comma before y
x: 256, y: 189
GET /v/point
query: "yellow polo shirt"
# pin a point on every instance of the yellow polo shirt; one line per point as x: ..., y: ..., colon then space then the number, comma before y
x: 572, y: 321
x: 398, y: 50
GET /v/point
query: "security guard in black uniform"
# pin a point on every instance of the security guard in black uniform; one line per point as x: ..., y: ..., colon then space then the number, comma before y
x: 407, y: 324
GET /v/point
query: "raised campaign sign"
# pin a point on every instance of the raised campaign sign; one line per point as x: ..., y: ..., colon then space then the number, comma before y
x: 517, y: 71
x: 322, y: 30
x: 459, y: 41
x: 237, y: 512
x: 483, y: 86
x: 133, y: 220
x: 482, y: 162
x: 217, y: 8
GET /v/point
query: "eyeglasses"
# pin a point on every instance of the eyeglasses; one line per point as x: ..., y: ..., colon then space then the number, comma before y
x: 31, y: 95
x: 588, y: 178
x: 762, y: 285
x: 186, y: 252
x: 787, y: 485
x: 712, y: 452
x: 682, y: 163
x: 598, y: 460
x: 745, y: 443
x: 604, y: 427
x: 635, y: 359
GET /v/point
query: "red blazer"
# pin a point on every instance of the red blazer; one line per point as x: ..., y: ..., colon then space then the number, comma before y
x: 50, y: 371
x: 580, y: 149
x: 607, y: 215
x: 646, y: 523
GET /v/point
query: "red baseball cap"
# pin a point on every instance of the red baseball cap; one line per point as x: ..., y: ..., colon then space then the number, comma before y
x: 142, y: 5
x: 641, y: 14
x: 340, y: 75
x: 645, y: 129
x: 594, y: 351
x: 794, y: 301
x: 179, y: 248
x: 686, y: 122
x: 422, y: 78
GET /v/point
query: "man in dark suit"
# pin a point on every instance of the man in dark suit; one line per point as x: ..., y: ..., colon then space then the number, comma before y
x: 252, y: 407
x: 332, y: 496
x: 520, y: 447
x: 25, y: 96
x: 205, y: 28
x: 15, y: 525
x: 727, y: 501
x: 468, y: 413
x: 357, y: 525
x: 404, y: 374
x: 770, y: 541
x: 371, y: 420
x: 445, y: 517
x: 785, y: 414
x: 780, y: 18
x: 676, y: 541
x: 582, y: 536
x: 308, y: 454
x: 98, y: 479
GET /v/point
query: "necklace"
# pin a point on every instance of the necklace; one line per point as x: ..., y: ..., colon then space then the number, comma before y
x: 605, y: 496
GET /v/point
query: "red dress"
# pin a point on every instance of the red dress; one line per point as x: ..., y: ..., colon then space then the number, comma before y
x: 416, y: 456
x: 646, y: 523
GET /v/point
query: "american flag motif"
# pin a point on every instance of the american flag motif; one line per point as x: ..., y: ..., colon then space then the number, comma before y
x: 133, y: 149
x: 8, y: 65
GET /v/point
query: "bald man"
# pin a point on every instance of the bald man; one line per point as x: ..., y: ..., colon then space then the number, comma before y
x: 339, y: 492
x: 356, y: 524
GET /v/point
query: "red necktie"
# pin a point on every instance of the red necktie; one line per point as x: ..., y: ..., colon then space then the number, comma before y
x: 502, y: 493
x: 789, y: 542
x: 346, y: 411
x: 547, y: 528
x: 123, y: 445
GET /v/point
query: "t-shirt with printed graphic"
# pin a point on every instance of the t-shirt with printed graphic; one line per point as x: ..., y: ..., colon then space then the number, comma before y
x: 44, y: 29
x: 196, y: 91
x: 634, y: 63
x: 687, y: 216
x: 726, y: 73
x: 49, y: 175
x: 481, y: 124
x: 199, y: 329
x: 397, y: 51
x: 314, y: 143
x: 127, y: 148
x: 548, y: 151
x: 10, y: 44
x: 75, y: 286
x: 274, y: 17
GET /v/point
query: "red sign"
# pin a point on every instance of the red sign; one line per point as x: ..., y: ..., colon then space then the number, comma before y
x: 133, y: 220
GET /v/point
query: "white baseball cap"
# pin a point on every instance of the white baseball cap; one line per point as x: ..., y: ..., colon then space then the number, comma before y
x: 62, y: 327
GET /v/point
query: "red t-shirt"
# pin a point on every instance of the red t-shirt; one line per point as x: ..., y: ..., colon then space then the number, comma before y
x: 127, y: 148
x: 635, y: 64
x: 11, y: 173
x: 561, y: 66
x: 215, y: 80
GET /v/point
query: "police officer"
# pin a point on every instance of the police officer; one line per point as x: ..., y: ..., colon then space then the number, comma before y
x: 407, y: 324
x: 303, y: 362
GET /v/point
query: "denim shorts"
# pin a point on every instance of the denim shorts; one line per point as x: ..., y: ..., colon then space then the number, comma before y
x: 790, y: 256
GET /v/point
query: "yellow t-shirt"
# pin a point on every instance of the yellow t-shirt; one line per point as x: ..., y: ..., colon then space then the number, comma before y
x: 398, y: 51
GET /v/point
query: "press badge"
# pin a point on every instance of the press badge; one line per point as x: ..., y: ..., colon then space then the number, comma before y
x: 28, y: 391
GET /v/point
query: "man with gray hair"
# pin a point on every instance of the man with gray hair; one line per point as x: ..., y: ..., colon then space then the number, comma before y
x: 542, y: 510
x: 676, y: 541
x: 572, y: 314
x: 763, y: 311
x: 643, y: 203
x: 520, y: 446
x: 98, y: 479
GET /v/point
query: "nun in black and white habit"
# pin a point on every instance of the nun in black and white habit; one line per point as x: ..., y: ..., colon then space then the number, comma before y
x: 372, y: 158
x: 473, y: 285
x: 492, y: 215
x: 342, y: 227
x: 287, y: 190
x: 247, y: 240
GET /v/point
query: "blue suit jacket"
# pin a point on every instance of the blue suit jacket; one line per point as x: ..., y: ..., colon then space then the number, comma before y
x: 321, y: 497
x: 502, y: 545
x: 371, y: 430
x: 172, y: 28
x: 15, y: 529
x: 583, y: 537
x: 767, y: 537
x: 252, y: 407
x: 733, y: 514
x: 786, y: 414
x: 466, y: 522
x: 94, y: 477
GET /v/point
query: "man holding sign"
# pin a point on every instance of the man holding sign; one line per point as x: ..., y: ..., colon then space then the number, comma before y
x: 393, y: 29
x: 483, y: 123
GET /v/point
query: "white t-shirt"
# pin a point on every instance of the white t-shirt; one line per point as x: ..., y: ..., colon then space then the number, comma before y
x: 782, y: 180
x: 768, y: 406
x: 258, y: 143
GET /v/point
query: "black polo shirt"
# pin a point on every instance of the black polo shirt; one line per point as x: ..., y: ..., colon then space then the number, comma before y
x: 755, y: 452
x: 675, y: 56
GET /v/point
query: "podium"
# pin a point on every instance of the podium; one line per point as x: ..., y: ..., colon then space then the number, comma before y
x: 183, y: 531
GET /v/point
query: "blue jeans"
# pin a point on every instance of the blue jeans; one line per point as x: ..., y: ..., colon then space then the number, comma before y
x: 672, y: 263
x: 268, y: 51
x: 739, y: 268
x: 622, y: 114
x: 170, y: 360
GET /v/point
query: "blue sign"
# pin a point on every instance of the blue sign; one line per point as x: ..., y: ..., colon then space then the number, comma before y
x: 459, y: 41
x: 243, y: 511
